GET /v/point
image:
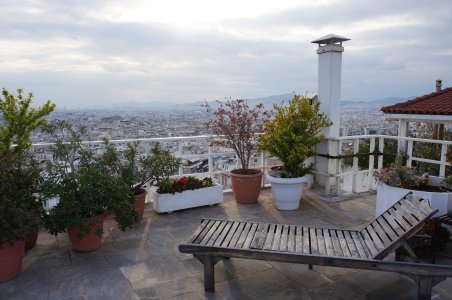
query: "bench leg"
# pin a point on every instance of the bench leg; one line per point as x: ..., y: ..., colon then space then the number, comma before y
x: 425, y: 288
x: 209, y: 273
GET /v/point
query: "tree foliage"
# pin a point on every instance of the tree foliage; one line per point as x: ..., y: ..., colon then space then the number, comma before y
x: 19, y: 173
x: 293, y: 132
x: 237, y: 123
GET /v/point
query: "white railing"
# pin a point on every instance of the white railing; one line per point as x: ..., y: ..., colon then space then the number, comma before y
x: 340, y: 178
x: 180, y: 147
x: 362, y: 180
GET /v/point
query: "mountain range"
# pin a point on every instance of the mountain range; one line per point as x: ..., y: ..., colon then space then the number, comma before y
x: 267, y: 101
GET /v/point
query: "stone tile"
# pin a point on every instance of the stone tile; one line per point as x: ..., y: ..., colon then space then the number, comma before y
x: 402, y: 289
x: 27, y: 294
x: 144, y: 262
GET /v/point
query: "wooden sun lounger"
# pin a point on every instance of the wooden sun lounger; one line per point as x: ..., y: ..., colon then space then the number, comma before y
x: 363, y: 249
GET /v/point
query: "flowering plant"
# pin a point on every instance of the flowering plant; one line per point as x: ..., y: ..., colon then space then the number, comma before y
x: 172, y: 186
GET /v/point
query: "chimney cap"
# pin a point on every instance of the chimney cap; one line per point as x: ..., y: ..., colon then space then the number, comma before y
x: 330, y: 39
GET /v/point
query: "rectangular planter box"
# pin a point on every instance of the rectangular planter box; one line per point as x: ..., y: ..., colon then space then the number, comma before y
x: 188, y: 199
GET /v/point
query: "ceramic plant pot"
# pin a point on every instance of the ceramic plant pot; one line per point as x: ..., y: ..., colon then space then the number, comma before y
x: 246, y: 187
x: 287, y: 191
x: 11, y: 255
x: 90, y: 241
x: 140, y: 201
x: 31, y: 238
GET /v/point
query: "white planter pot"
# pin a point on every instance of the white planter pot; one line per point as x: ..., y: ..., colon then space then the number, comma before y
x: 388, y: 195
x: 287, y: 191
x: 188, y: 199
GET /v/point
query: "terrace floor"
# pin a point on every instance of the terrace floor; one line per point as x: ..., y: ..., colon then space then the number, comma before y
x: 144, y: 262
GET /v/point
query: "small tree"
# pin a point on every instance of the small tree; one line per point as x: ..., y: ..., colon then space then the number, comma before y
x: 19, y: 173
x: 237, y: 123
x: 293, y: 132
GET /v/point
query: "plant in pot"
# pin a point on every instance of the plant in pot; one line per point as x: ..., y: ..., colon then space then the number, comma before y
x: 236, y: 125
x: 186, y: 192
x: 87, y: 189
x: 19, y: 177
x: 291, y: 136
x: 136, y: 170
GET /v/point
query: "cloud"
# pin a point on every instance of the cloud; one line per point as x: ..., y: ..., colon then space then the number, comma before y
x: 113, y: 51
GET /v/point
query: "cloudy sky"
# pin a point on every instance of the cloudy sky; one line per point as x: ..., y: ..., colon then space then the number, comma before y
x: 88, y: 52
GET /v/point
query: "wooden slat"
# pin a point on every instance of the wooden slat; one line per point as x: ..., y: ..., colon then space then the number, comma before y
x: 320, y: 241
x: 291, y: 239
x: 283, y: 243
x: 299, y: 239
x: 243, y: 235
x: 306, y: 242
x: 204, y: 230
x: 360, y: 244
x: 313, y: 241
x: 269, y: 239
x: 387, y: 229
x: 414, y: 201
x: 351, y: 245
x: 381, y: 233
x: 260, y: 236
x: 216, y: 234
x: 406, y: 215
x: 366, y: 240
x: 211, y: 231
x: 250, y: 236
x: 231, y: 233
x: 343, y: 243
x: 391, y: 221
x: 328, y: 243
x: 224, y: 233
x: 397, y: 217
x: 198, y: 230
x: 375, y: 237
x: 416, y: 210
x: 277, y: 237
x: 409, y: 211
x: 336, y: 245
x: 236, y: 235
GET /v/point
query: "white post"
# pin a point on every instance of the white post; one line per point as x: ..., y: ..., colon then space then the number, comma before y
x: 402, y: 132
x: 329, y: 94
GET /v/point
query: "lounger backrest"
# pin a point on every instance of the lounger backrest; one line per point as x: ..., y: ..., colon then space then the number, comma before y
x: 388, y: 231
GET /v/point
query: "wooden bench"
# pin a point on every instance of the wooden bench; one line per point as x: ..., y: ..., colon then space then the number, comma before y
x: 363, y: 249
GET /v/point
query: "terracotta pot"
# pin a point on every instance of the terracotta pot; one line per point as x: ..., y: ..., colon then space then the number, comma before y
x: 11, y: 255
x: 31, y: 238
x: 246, y: 187
x: 90, y: 241
x: 139, y: 203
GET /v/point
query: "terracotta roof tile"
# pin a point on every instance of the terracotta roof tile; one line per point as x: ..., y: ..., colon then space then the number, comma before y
x: 437, y: 103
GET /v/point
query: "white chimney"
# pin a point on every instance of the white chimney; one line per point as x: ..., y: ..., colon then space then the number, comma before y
x: 329, y: 79
x: 438, y: 85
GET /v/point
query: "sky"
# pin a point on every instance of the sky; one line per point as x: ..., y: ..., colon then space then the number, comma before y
x: 83, y: 53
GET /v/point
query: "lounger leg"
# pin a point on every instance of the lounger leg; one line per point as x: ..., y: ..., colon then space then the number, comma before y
x: 209, y: 273
x: 425, y: 288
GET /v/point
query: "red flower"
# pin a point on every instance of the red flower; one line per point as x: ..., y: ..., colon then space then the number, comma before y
x: 182, y: 179
x: 174, y: 180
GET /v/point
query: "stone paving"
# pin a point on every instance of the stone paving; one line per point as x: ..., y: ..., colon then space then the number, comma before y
x: 144, y: 262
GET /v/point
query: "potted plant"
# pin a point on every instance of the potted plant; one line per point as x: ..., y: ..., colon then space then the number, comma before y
x: 136, y: 170
x: 19, y: 177
x: 87, y: 189
x: 236, y: 125
x: 397, y: 180
x: 291, y: 136
x: 186, y: 192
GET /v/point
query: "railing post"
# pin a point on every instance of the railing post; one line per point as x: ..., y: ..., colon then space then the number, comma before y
x: 409, y: 153
x: 338, y: 167
x: 371, y: 162
x: 442, y: 166
x: 210, y: 160
x: 181, y: 152
x: 355, y: 166
x: 264, y: 166
x: 381, y: 147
